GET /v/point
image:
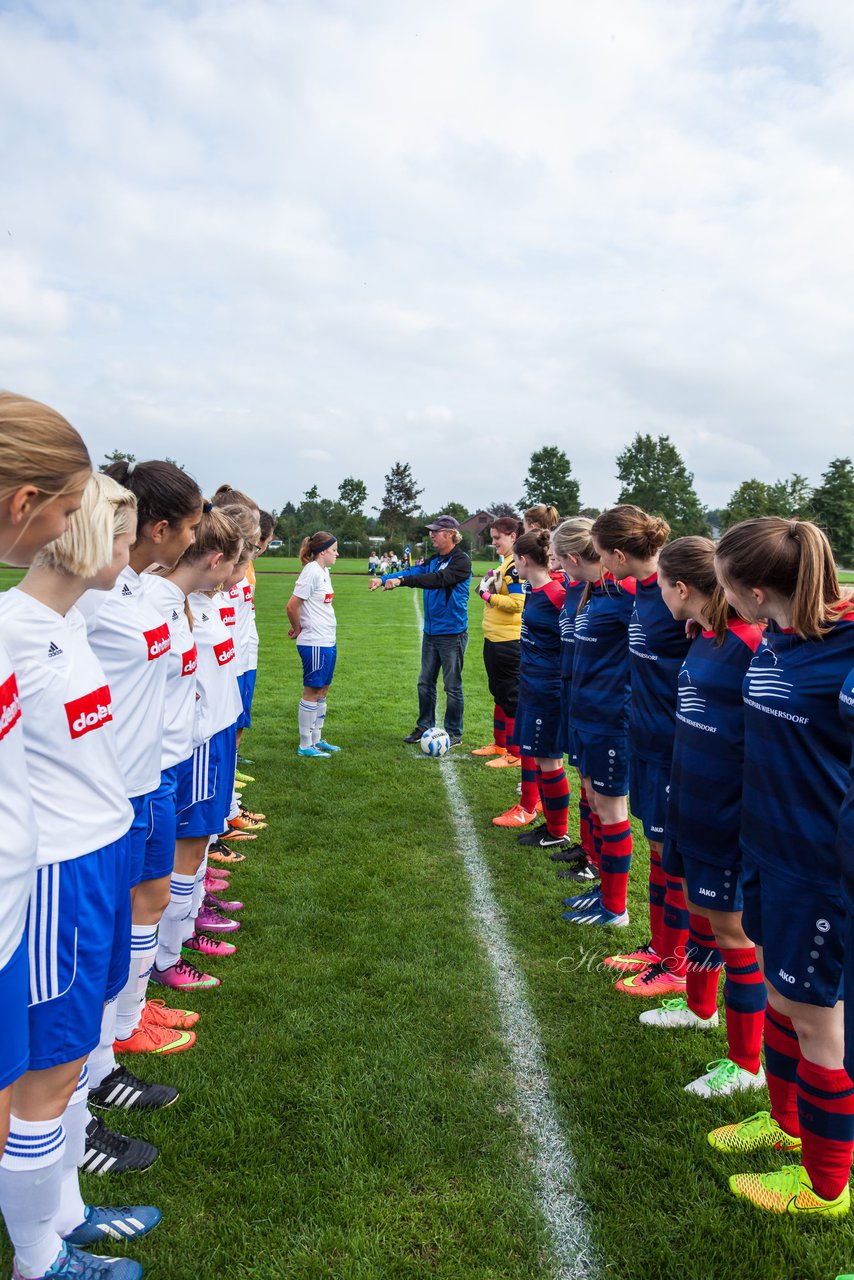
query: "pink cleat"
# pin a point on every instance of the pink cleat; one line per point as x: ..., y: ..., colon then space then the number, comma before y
x: 204, y: 945
x: 210, y: 921
x: 183, y: 975
x: 217, y: 904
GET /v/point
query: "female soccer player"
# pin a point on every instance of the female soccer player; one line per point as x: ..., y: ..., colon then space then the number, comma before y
x: 205, y: 780
x: 78, y: 923
x: 501, y: 593
x: 704, y: 819
x: 312, y: 620
x: 44, y: 467
x: 629, y: 541
x: 537, y: 727
x: 796, y: 771
x: 131, y: 638
x: 599, y: 719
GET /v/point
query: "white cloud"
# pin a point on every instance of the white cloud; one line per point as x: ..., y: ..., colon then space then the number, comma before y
x: 470, y: 231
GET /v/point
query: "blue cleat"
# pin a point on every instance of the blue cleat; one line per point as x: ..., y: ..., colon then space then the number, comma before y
x: 598, y: 915
x: 312, y: 753
x: 584, y: 901
x: 326, y: 746
x: 125, y: 1223
x: 71, y: 1264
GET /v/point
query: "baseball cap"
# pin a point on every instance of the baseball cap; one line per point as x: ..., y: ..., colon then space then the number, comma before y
x: 444, y: 522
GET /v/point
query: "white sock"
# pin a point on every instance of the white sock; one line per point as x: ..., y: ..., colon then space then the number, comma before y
x: 317, y: 727
x: 198, y: 896
x: 102, y: 1060
x: 305, y: 716
x: 143, y: 949
x: 171, y: 932
x: 30, y: 1187
x: 235, y: 804
x: 72, y: 1210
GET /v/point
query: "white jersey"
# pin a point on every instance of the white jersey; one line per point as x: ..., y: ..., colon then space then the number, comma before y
x: 247, y: 632
x: 180, y: 717
x: 218, y: 701
x: 18, y: 843
x: 228, y: 603
x: 131, y: 639
x: 77, y: 787
x: 317, y: 617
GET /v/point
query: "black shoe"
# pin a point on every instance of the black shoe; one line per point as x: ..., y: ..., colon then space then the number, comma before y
x: 121, y: 1088
x: 414, y: 736
x: 569, y: 855
x: 456, y: 739
x: 582, y: 872
x: 532, y: 835
x: 109, y: 1152
x: 542, y: 838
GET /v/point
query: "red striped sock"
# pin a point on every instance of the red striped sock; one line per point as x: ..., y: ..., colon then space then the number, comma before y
x: 616, y: 860
x: 554, y: 788
x: 499, y: 726
x: 530, y: 790
x: 674, y: 927
x: 744, y: 1002
x: 703, y: 971
x: 782, y: 1057
x: 826, y: 1113
x: 509, y: 730
x: 585, y: 825
x: 596, y: 836
x: 657, y: 891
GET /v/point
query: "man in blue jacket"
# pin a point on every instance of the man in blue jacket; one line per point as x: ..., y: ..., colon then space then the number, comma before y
x: 445, y: 582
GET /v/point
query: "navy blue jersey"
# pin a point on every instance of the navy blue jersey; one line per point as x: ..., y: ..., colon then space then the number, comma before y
x: 657, y: 646
x: 601, y: 687
x: 704, y: 808
x: 572, y: 599
x: 539, y: 667
x: 845, y: 845
x: 796, y: 754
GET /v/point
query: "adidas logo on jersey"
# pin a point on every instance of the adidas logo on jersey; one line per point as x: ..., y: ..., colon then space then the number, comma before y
x: 10, y: 705
x: 54, y: 651
x: 126, y: 591
x: 174, y: 615
x: 158, y: 641
x: 89, y: 712
x: 205, y: 618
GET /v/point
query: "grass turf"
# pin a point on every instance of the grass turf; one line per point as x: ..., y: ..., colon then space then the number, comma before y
x: 348, y: 1111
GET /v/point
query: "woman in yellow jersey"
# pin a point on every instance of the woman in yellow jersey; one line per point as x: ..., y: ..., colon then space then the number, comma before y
x: 502, y: 595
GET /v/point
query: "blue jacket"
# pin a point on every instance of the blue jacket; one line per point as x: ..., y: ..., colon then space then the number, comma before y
x: 445, y: 580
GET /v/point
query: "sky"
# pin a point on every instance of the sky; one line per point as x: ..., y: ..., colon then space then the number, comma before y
x: 289, y: 241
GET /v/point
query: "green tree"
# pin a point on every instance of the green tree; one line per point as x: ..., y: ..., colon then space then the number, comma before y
x: 116, y: 456
x: 748, y: 502
x: 455, y: 509
x: 353, y: 494
x: 754, y: 498
x: 502, y: 509
x: 654, y: 476
x: 400, y: 499
x: 550, y: 480
x: 833, y: 507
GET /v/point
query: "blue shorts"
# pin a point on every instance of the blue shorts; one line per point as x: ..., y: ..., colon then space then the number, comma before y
x: 649, y: 785
x: 14, y: 993
x: 802, y: 931
x: 605, y: 761
x: 78, y: 936
x: 205, y: 786
x: 709, y: 885
x: 138, y: 833
x: 318, y: 664
x: 162, y: 822
x: 246, y: 684
x: 538, y: 726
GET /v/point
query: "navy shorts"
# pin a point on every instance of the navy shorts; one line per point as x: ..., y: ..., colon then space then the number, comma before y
x: 605, y: 761
x: 246, y: 684
x: 318, y: 664
x: 568, y: 735
x: 709, y: 885
x: 14, y: 994
x: 78, y: 936
x: 649, y: 785
x: 205, y: 786
x: 538, y: 726
x: 802, y: 931
x: 162, y: 822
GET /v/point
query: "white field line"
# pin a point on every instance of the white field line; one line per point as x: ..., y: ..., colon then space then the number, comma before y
x: 554, y: 1164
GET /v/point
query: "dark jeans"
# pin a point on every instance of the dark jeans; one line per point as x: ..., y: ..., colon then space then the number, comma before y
x: 448, y: 653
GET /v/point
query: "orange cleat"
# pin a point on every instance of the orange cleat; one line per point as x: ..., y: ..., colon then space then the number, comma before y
x: 158, y: 1013
x: 492, y: 750
x: 505, y: 761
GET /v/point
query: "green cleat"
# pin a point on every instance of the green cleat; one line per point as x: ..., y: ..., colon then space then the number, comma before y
x: 756, y: 1133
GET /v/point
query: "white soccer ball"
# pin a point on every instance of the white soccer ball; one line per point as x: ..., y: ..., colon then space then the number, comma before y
x: 435, y: 742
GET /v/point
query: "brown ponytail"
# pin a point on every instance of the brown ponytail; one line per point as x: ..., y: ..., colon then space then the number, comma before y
x: 534, y: 546
x: 310, y: 547
x: 692, y: 561
x: 791, y: 558
x: 542, y: 517
x: 631, y: 530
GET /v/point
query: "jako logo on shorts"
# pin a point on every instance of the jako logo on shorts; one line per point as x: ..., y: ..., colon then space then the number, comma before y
x: 10, y: 706
x: 189, y: 661
x: 89, y: 712
x: 224, y: 652
x: 157, y: 642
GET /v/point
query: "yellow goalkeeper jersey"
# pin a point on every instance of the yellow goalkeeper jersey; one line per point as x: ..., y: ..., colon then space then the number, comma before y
x: 502, y: 617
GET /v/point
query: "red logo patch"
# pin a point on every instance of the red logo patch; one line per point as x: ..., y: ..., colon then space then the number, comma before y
x: 327, y: 599
x: 234, y: 592
x: 157, y: 642
x: 224, y: 651
x: 228, y: 615
x: 10, y: 705
x: 189, y: 661
x: 89, y: 712
x: 247, y: 594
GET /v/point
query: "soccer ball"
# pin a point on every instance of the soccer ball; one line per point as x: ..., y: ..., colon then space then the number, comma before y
x: 435, y: 742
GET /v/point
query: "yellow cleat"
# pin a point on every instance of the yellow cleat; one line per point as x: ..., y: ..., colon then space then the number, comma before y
x: 756, y: 1133
x: 788, y: 1190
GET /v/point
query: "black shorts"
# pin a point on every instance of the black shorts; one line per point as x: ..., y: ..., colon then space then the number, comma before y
x: 501, y: 659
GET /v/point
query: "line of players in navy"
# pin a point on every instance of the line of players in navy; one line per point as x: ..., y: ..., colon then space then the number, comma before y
x: 128, y: 655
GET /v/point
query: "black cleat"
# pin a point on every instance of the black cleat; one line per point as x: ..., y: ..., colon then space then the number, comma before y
x: 121, y: 1088
x: 542, y: 838
x: 414, y: 736
x: 582, y: 872
x: 109, y: 1152
x: 573, y: 854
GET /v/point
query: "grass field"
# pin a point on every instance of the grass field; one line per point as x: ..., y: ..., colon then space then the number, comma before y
x: 349, y: 1109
